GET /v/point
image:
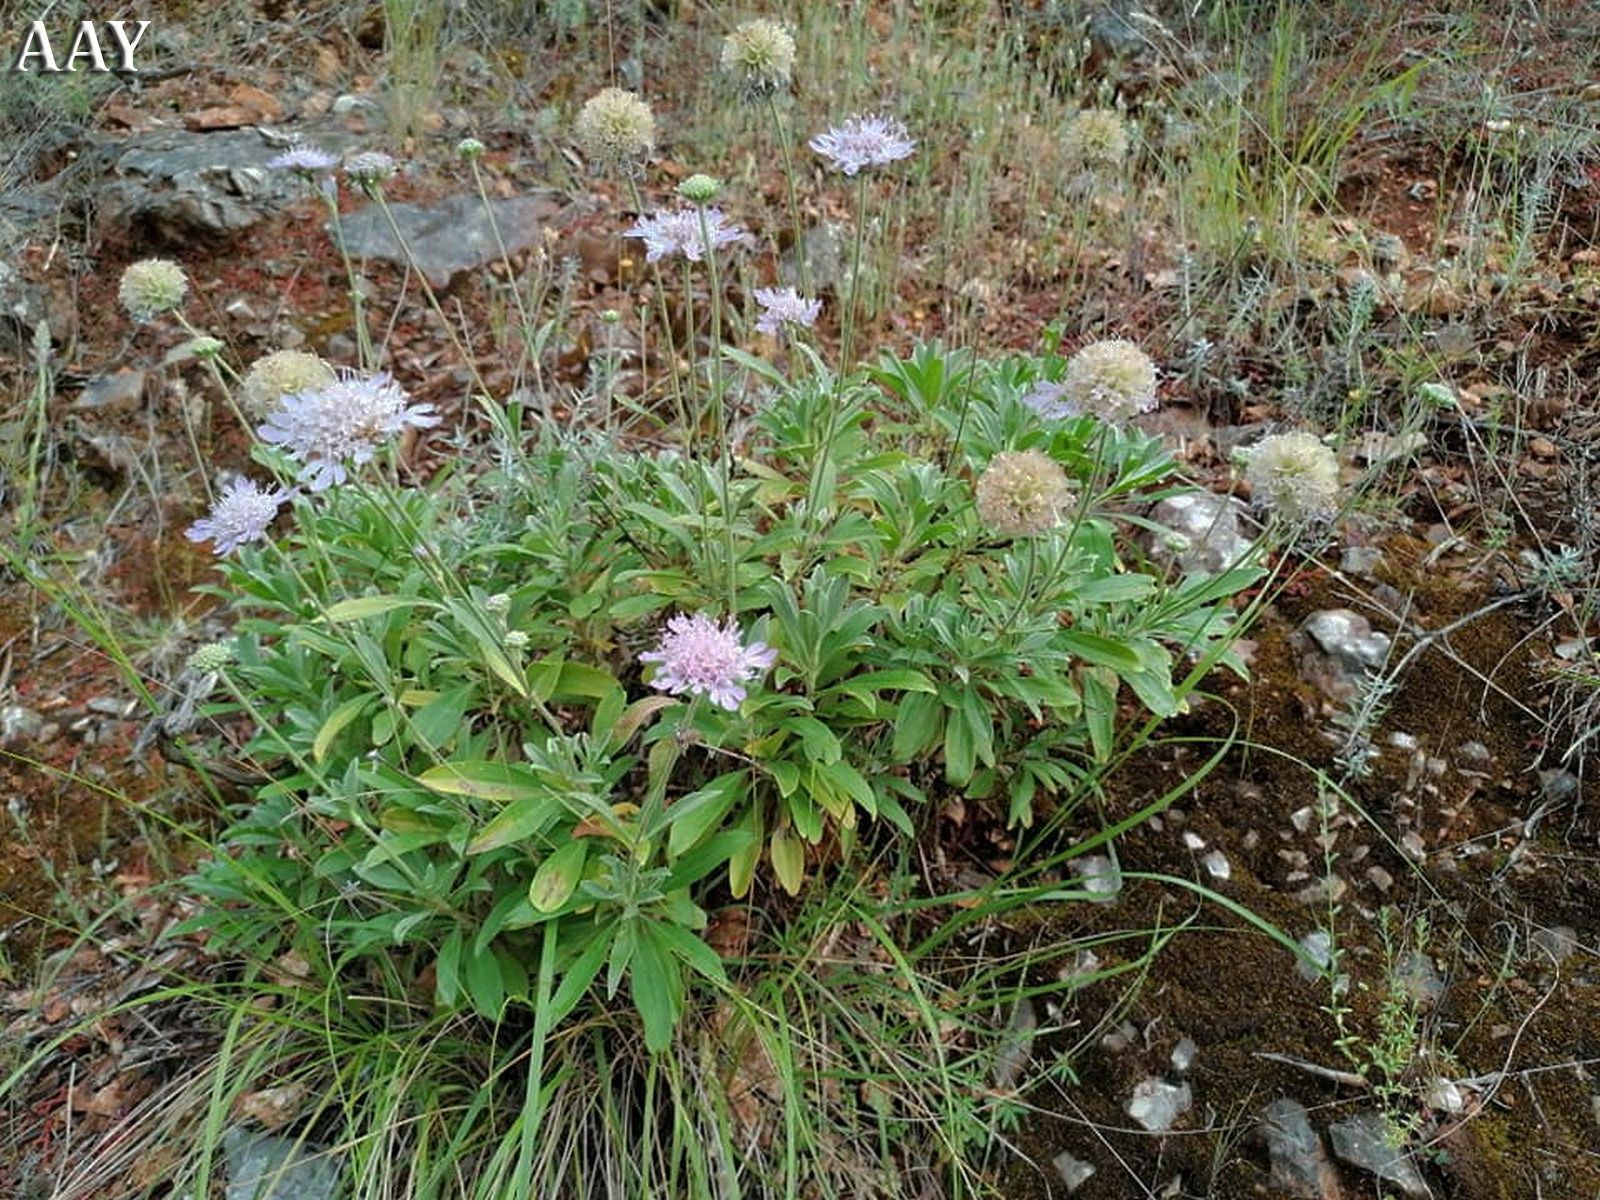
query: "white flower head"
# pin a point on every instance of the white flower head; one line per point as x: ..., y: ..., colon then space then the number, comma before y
x: 342, y: 424
x: 370, y: 168
x: 282, y: 373
x: 703, y: 658
x: 865, y: 141
x: 759, y: 55
x: 1023, y: 492
x: 1296, y: 476
x: 680, y: 232
x: 785, y: 306
x: 242, y: 513
x: 1112, y: 379
x: 1095, y: 138
x: 151, y: 287
x: 616, y: 129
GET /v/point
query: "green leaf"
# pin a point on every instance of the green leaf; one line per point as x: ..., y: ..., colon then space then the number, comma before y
x: 337, y: 720
x: 743, y: 861
x: 1100, y: 709
x: 901, y: 680
x: 981, y: 725
x: 485, y: 780
x: 850, y: 782
x: 558, y: 875
x: 960, y: 753
x: 788, y: 860
x: 447, y: 970
x: 657, y: 989
x: 371, y: 606
x: 521, y: 820
x: 481, y: 974
x: 820, y: 742
x: 1113, y: 589
x: 691, y: 949
x: 1101, y: 651
x: 916, y: 725
x: 579, y: 976
x: 691, y: 817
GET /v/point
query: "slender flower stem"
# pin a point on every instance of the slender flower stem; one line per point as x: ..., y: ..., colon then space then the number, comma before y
x: 358, y: 316
x: 666, y: 330
x: 786, y: 147
x: 719, y: 403
x: 846, y: 347
x: 529, y: 340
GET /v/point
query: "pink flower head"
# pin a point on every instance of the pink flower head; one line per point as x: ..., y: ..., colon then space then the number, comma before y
x: 699, y: 656
x: 679, y: 232
x: 785, y: 306
x: 865, y: 141
x: 242, y: 513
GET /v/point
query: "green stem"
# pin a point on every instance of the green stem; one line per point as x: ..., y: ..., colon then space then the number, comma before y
x: 787, y: 149
x: 720, y: 411
x: 846, y: 347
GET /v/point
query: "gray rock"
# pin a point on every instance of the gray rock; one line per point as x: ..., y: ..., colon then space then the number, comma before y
x: 1337, y: 647
x: 1100, y: 878
x: 120, y: 391
x: 1217, y: 866
x: 1557, y: 785
x: 1157, y: 1104
x: 262, y: 1166
x: 1558, y: 941
x: 1300, y: 1165
x: 1417, y: 978
x: 1114, y: 31
x: 1184, y: 1054
x: 450, y: 237
x: 22, y: 308
x: 1319, y: 949
x: 172, y: 186
x: 1017, y: 1047
x: 1074, y: 1171
x: 1360, y: 560
x: 1203, y: 532
x: 1363, y: 1141
x: 19, y: 724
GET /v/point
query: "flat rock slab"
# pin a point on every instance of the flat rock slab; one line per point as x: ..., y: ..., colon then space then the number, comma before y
x: 1300, y: 1165
x: 172, y: 186
x: 451, y: 237
x: 1363, y: 1141
x: 262, y: 1166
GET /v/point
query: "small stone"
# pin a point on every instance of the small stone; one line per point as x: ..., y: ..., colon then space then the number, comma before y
x: 1302, y: 818
x: 1443, y: 1095
x: 1363, y: 1141
x: 1157, y: 1104
x: 1360, y: 560
x: 1193, y: 840
x: 1183, y: 1054
x: 120, y: 391
x: 1074, y: 1172
x: 1100, y: 878
x: 1201, y: 532
x: 1300, y: 1165
x: 1474, y: 754
x: 1402, y: 741
x: 1411, y: 843
x: 1216, y: 865
x: 1418, y: 978
x: 108, y: 706
x: 1318, y: 947
x: 1337, y: 648
x: 1380, y: 878
x: 1017, y: 1048
x: 1079, y: 972
x: 18, y: 723
x: 1120, y: 1038
x: 1559, y: 941
x: 1557, y: 786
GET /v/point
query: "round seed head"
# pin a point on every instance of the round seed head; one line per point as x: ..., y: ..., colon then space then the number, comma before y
x: 1296, y: 476
x: 213, y: 656
x: 616, y: 129
x: 282, y: 373
x: 1112, y: 379
x: 759, y: 55
x: 470, y: 147
x: 1095, y: 138
x: 152, y: 287
x: 1023, y: 492
x: 699, y: 189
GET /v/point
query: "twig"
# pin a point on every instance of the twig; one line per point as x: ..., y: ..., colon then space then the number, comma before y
x: 1349, y: 1078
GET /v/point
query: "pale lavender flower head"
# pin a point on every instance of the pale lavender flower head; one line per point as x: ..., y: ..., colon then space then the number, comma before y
x: 242, y: 513
x: 1049, y: 401
x: 699, y: 656
x: 865, y: 141
x: 679, y: 232
x: 342, y: 423
x: 785, y: 306
x: 304, y: 159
